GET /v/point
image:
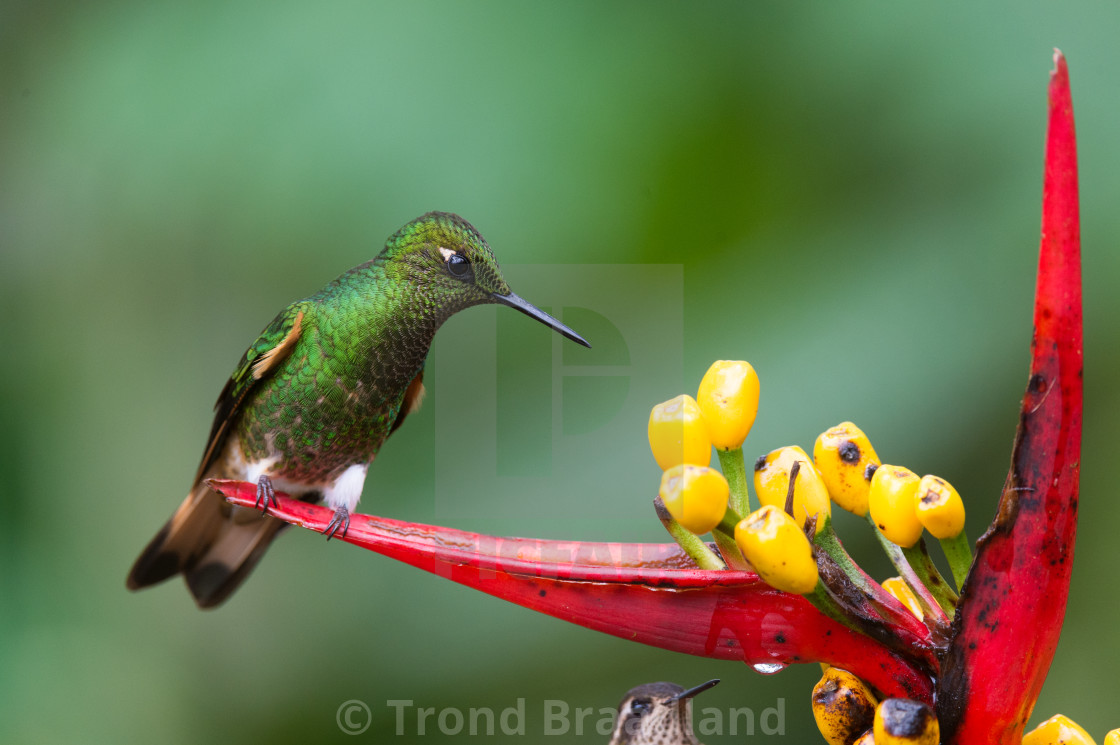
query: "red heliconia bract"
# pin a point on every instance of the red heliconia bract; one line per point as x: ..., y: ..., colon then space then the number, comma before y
x: 1014, y: 600
x: 1012, y: 605
x: 651, y: 593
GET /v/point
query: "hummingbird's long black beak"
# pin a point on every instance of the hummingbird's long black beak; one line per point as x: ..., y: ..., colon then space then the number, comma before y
x: 684, y: 695
x: 515, y: 301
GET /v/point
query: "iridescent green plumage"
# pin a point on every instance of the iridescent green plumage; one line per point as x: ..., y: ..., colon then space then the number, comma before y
x: 314, y: 397
x: 332, y: 401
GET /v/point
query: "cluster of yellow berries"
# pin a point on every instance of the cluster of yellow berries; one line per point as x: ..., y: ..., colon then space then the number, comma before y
x: 844, y: 469
x: 700, y: 499
x: 781, y: 540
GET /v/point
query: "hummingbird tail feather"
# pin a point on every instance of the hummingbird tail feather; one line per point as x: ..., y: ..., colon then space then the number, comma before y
x: 228, y: 561
x: 213, y: 544
x: 178, y: 543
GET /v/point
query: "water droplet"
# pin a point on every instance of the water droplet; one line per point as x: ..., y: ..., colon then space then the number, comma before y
x: 768, y: 668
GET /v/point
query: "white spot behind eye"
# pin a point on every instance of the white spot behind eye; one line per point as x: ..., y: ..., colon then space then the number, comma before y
x: 447, y: 253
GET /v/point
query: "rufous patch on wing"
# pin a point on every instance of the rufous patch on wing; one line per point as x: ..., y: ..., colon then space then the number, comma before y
x: 272, y: 357
x: 414, y: 396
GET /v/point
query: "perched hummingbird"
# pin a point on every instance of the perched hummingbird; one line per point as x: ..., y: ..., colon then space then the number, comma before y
x: 657, y: 714
x: 314, y: 397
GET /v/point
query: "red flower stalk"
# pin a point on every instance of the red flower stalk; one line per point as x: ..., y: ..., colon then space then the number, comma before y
x: 1012, y: 604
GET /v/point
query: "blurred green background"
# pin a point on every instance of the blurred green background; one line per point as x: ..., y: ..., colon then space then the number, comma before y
x: 850, y: 197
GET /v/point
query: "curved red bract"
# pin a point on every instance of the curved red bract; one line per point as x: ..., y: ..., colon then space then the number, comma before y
x: 1014, y: 600
x: 651, y: 593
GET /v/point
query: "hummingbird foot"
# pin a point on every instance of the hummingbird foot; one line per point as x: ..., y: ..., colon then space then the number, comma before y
x: 341, y: 520
x: 265, y: 494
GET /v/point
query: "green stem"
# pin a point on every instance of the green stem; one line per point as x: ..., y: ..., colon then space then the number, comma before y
x: 731, y: 518
x: 959, y: 553
x: 823, y: 602
x: 931, y: 606
x: 729, y: 549
x: 691, y: 543
x: 930, y: 575
x: 724, y: 534
x: 735, y: 471
x: 827, y: 541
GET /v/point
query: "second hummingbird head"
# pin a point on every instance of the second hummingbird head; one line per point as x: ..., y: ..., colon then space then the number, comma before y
x: 656, y: 713
x: 450, y: 262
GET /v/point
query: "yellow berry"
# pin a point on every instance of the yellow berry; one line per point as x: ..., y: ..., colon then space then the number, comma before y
x: 696, y: 496
x: 900, y: 721
x: 778, y: 550
x: 1059, y: 730
x: 810, y: 495
x: 940, y: 508
x: 1112, y: 738
x: 842, y: 455
x: 728, y: 396
x: 891, y: 502
x: 843, y: 706
x: 902, y: 593
x: 678, y: 434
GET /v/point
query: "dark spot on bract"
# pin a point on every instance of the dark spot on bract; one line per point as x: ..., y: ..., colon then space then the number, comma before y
x: 1038, y: 382
x: 760, y: 463
x: 542, y: 593
x: 849, y: 452
x: 780, y: 639
x: 870, y: 471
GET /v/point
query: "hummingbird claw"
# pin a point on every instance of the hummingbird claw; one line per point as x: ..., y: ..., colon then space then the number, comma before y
x: 265, y: 494
x: 341, y: 520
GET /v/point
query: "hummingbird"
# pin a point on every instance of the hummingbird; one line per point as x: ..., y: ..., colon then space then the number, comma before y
x: 657, y: 714
x: 312, y: 400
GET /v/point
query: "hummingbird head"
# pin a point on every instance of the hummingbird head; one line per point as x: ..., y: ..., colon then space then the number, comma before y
x: 656, y: 713
x: 448, y: 261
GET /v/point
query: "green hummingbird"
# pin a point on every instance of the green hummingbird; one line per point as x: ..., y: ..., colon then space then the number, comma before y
x: 657, y: 714
x: 314, y: 397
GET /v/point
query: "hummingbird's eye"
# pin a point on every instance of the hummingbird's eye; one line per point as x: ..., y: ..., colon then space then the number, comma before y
x: 640, y: 707
x: 459, y: 267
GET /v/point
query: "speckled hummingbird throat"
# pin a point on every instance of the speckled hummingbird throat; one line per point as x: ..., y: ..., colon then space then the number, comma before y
x: 657, y: 714
x: 314, y: 397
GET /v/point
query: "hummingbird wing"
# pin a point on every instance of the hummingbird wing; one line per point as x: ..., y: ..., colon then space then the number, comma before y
x: 262, y: 357
x: 213, y: 545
